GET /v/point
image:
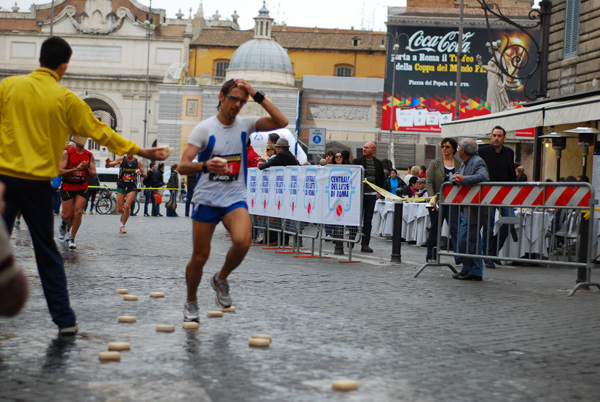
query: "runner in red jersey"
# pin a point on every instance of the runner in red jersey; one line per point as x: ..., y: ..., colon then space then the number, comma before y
x: 76, y: 165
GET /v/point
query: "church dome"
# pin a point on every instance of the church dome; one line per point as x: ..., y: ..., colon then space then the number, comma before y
x: 261, y: 54
x: 261, y: 59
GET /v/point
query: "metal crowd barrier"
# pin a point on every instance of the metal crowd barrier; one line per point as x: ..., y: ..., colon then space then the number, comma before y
x: 274, y: 230
x: 556, y: 215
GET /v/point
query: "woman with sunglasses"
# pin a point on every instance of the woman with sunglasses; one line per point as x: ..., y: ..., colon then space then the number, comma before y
x: 438, y: 173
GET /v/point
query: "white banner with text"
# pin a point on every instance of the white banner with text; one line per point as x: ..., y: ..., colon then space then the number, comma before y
x: 316, y: 194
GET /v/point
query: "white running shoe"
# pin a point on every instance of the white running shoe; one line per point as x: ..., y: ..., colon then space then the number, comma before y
x: 191, y: 312
x: 62, y: 231
x: 72, y: 244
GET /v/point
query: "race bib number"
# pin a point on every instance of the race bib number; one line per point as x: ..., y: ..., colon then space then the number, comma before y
x: 234, y: 163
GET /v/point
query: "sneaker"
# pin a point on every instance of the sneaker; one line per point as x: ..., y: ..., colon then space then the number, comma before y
x: 72, y: 244
x: 122, y: 229
x: 222, y: 288
x: 62, y: 230
x: 190, y: 312
x: 18, y: 224
x: 91, y: 212
x: 85, y: 213
x: 68, y: 331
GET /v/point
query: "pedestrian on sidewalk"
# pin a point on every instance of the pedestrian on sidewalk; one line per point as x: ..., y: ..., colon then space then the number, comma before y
x: 439, y: 172
x: 373, y: 169
x: 472, y: 171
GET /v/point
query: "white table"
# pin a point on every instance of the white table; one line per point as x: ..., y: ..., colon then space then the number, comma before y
x: 415, y: 221
x: 532, y: 235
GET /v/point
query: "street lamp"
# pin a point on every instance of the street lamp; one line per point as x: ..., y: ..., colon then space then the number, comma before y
x: 559, y: 142
x: 395, y: 47
x: 148, y: 24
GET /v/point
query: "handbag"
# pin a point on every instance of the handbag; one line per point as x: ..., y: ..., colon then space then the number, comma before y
x: 171, y: 205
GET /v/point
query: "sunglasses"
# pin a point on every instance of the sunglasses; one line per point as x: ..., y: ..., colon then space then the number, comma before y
x: 237, y: 99
x: 338, y: 156
x: 446, y: 146
x: 272, y: 150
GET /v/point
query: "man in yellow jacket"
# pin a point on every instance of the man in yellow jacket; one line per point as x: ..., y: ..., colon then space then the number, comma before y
x: 36, y: 117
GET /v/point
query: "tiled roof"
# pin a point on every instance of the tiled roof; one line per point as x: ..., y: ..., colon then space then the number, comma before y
x: 298, y: 38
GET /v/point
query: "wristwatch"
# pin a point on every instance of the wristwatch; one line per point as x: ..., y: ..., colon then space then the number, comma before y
x: 204, y: 167
x: 258, y: 97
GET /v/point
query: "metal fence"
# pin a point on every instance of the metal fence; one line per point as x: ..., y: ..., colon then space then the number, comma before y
x: 524, y: 223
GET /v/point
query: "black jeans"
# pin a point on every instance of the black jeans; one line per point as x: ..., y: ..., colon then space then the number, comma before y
x: 34, y: 199
x: 368, y: 209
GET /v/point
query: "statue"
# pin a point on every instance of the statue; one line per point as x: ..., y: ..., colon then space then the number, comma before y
x: 496, y: 97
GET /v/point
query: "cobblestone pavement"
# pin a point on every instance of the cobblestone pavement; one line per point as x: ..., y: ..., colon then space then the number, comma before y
x: 516, y: 336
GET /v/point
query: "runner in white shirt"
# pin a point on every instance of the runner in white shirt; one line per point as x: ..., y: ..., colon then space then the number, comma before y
x: 219, y: 144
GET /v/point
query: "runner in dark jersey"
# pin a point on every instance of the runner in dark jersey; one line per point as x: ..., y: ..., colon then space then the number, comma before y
x: 76, y: 165
x: 129, y: 169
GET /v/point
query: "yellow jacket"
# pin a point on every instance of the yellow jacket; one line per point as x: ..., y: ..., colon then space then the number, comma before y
x: 37, y: 114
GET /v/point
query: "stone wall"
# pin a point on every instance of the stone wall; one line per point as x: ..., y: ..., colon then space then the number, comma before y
x: 582, y: 72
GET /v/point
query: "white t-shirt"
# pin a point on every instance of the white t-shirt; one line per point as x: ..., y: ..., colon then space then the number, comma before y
x: 228, y: 142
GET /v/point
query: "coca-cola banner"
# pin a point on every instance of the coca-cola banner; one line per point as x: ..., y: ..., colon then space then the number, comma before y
x: 422, y: 72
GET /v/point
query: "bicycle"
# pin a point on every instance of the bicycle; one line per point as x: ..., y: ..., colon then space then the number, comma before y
x: 104, y: 203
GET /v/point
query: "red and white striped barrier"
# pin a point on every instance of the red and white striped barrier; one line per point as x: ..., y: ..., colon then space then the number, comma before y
x: 523, y: 195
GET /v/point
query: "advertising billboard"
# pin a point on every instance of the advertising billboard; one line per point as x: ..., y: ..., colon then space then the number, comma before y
x: 421, y: 73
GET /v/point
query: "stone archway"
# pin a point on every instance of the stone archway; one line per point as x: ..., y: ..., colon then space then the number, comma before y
x: 103, y: 111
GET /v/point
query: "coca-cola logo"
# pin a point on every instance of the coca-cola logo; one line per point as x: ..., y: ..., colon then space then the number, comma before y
x: 447, y: 43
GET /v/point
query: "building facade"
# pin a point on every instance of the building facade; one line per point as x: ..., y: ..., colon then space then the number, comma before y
x: 421, y: 74
x: 121, y: 51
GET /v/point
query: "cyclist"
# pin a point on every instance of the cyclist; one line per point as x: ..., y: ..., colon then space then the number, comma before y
x: 76, y: 165
x: 129, y: 169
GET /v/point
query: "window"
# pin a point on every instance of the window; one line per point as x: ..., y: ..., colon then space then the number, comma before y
x: 343, y: 71
x: 93, y: 145
x: 355, y: 41
x: 220, y: 67
x: 191, y: 106
x: 571, y: 29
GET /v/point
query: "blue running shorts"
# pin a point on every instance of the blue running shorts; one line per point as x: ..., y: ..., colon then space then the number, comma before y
x: 208, y: 214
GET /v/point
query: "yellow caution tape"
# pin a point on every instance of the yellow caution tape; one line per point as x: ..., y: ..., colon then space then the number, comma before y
x: 394, y: 197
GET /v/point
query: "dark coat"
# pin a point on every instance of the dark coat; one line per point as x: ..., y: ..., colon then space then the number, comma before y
x: 379, y: 174
x: 501, y: 166
x: 283, y: 158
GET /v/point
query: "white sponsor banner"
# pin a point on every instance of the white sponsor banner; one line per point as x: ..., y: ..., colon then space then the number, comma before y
x: 312, y: 194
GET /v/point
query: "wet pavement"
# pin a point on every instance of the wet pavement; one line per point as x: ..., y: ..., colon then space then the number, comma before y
x: 516, y: 336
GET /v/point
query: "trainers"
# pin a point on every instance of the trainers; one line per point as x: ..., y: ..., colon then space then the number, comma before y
x: 62, y: 230
x: 68, y: 331
x: 72, y: 244
x: 190, y: 312
x: 91, y: 212
x: 122, y: 229
x: 18, y: 224
x: 222, y: 288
